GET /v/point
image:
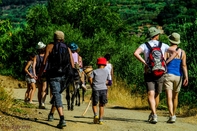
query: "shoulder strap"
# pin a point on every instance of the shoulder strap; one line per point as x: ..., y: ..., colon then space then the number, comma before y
x: 148, y: 45
x: 160, y: 44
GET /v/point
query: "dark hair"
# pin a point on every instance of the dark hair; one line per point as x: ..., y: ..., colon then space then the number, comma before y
x: 107, y: 57
x: 32, y: 54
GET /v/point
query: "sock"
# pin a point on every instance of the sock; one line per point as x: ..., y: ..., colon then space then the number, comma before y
x: 61, y: 117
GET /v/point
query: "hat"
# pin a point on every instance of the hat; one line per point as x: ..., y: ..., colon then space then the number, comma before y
x: 40, y: 45
x: 152, y: 31
x: 73, y: 46
x: 174, y: 38
x: 101, y: 61
x: 59, y: 35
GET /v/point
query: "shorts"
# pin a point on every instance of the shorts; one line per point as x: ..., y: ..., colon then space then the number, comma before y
x: 99, y: 96
x: 153, y: 83
x: 173, y: 82
x: 29, y: 80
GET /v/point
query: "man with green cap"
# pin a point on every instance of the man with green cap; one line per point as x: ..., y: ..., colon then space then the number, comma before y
x: 153, y: 84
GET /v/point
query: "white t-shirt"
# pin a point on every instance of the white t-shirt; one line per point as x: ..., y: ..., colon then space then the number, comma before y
x: 153, y: 43
x: 109, y: 68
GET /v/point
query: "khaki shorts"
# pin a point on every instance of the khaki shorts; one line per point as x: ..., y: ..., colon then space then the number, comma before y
x: 172, y: 82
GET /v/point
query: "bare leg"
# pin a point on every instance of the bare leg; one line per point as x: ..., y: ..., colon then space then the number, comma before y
x: 44, y: 92
x: 152, y: 101
x: 33, y: 87
x: 101, y: 111
x: 169, y: 101
x: 175, y: 102
x: 94, y: 108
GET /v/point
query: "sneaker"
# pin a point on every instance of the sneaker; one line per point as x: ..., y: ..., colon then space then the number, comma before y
x: 154, y: 119
x: 96, y: 119
x: 171, y: 119
x: 84, y: 87
x: 61, y: 124
x: 150, y: 117
x: 50, y: 117
x: 100, y: 122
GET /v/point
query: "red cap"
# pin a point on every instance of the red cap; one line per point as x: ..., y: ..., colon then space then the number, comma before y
x: 101, y: 61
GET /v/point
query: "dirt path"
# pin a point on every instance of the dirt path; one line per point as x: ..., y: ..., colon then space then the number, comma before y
x: 116, y: 119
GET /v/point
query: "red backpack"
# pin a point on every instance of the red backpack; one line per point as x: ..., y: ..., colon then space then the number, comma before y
x: 156, y: 60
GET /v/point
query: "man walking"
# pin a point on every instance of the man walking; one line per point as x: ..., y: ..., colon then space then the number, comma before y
x: 56, y: 75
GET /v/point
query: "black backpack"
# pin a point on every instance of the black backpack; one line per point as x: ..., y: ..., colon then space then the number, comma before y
x: 59, y: 60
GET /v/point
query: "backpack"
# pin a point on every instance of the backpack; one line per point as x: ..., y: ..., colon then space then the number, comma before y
x: 59, y: 60
x: 156, y: 61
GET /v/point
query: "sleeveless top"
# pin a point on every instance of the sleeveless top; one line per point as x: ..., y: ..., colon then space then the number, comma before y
x: 109, y: 68
x: 174, y: 67
x: 30, y: 69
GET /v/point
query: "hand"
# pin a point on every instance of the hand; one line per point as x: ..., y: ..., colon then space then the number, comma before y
x: 185, y: 82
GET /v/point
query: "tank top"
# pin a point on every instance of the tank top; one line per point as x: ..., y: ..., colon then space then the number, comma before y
x: 174, y: 66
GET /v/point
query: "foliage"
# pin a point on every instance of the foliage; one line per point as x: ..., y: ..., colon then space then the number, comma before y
x: 101, y: 27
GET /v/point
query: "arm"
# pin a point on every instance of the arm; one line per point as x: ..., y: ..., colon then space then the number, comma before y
x: 90, y: 81
x: 184, y: 67
x: 71, y: 58
x: 173, y: 54
x: 34, y: 66
x: 137, y: 53
x: 27, y: 67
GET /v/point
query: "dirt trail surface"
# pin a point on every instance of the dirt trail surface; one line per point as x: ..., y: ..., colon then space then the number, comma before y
x: 116, y: 119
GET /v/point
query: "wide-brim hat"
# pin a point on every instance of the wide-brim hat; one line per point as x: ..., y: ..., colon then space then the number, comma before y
x: 174, y: 38
x: 152, y: 31
x: 101, y: 61
x: 73, y: 46
x: 59, y: 35
x: 40, y: 45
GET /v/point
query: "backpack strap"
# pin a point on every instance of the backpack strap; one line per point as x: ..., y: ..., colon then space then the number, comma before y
x: 181, y: 51
x: 148, y: 45
x: 160, y: 44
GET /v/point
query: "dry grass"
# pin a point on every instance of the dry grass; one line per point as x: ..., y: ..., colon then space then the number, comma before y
x: 120, y: 95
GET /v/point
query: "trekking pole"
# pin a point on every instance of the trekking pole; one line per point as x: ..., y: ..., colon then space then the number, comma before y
x: 87, y: 106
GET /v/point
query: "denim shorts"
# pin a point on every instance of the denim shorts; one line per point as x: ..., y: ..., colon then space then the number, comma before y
x: 56, y: 83
x: 99, y: 96
x: 29, y: 80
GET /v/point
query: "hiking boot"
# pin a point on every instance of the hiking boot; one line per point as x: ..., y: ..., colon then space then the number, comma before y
x: 171, y: 119
x: 150, y: 117
x: 96, y: 119
x: 154, y: 119
x: 50, y: 117
x: 61, y: 124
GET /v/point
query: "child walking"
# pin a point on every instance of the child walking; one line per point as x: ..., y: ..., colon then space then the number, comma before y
x: 99, y: 79
x: 30, y: 79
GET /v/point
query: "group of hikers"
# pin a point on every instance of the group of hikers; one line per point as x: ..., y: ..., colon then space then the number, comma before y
x: 170, y: 74
x: 53, y: 64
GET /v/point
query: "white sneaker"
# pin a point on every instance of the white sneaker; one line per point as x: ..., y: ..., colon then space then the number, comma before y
x: 150, y: 117
x: 171, y: 119
x: 154, y: 119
